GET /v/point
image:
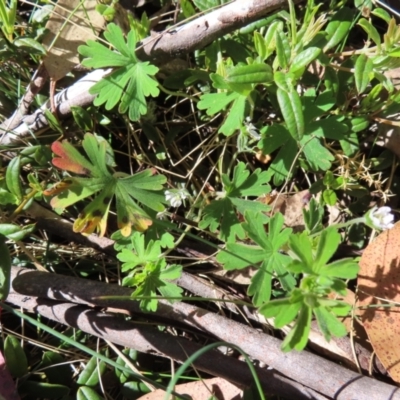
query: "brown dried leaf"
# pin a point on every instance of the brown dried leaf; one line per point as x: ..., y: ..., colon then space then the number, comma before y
x: 292, y: 208
x: 69, y: 27
x: 201, y: 390
x: 379, y: 283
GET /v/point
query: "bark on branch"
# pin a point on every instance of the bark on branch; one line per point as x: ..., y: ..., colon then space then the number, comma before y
x: 316, y: 373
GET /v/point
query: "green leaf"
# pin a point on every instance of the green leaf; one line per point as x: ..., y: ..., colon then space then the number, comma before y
x: 250, y: 74
x: 345, y: 269
x: 273, y: 137
x: 239, y: 256
x: 92, y: 373
x: 155, y: 277
x: 236, y: 116
x: 304, y: 58
x: 282, y: 49
x: 131, y: 83
x: 16, y: 361
x: 362, y: 72
x: 87, y: 393
x: 5, y: 269
x: 338, y: 27
x: 301, y: 246
x: 284, y: 162
x: 215, y: 102
x: 329, y: 241
x: 329, y: 197
x: 30, y: 44
x: 381, y: 13
x: 15, y: 232
x: 260, y: 46
x: 142, y: 187
x: 39, y: 390
x: 371, y: 31
x: 328, y: 324
x: 313, y: 216
x: 222, y: 212
x: 291, y: 108
x: 317, y: 155
x: 297, y: 338
x: 274, y: 307
x: 141, y: 255
x: 260, y: 287
x: 13, y: 180
x: 287, y: 315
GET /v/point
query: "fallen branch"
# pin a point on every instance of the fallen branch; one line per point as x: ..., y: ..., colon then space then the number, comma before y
x: 312, y: 371
x: 147, y: 339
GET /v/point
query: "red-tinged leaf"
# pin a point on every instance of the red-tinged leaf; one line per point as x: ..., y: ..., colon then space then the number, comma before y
x: 94, y: 216
x: 129, y: 215
x: 69, y: 159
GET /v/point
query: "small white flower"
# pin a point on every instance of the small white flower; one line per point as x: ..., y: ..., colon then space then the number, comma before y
x: 380, y: 218
x: 175, y: 197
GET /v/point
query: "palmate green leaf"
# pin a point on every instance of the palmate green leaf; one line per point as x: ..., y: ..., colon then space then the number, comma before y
x: 78, y: 189
x: 283, y: 310
x: 157, y: 278
x: 145, y: 187
x: 237, y: 113
x: 141, y: 254
x: 313, y: 216
x: 273, y: 266
x: 273, y: 262
x: 301, y: 246
x: 97, y: 153
x: 100, y: 56
x: 131, y: 83
x: 215, y: 102
x: 239, y: 256
x: 245, y: 184
x: 141, y: 85
x: 223, y: 213
x: 250, y: 205
x: 273, y: 137
x: 317, y: 155
x: 142, y: 187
